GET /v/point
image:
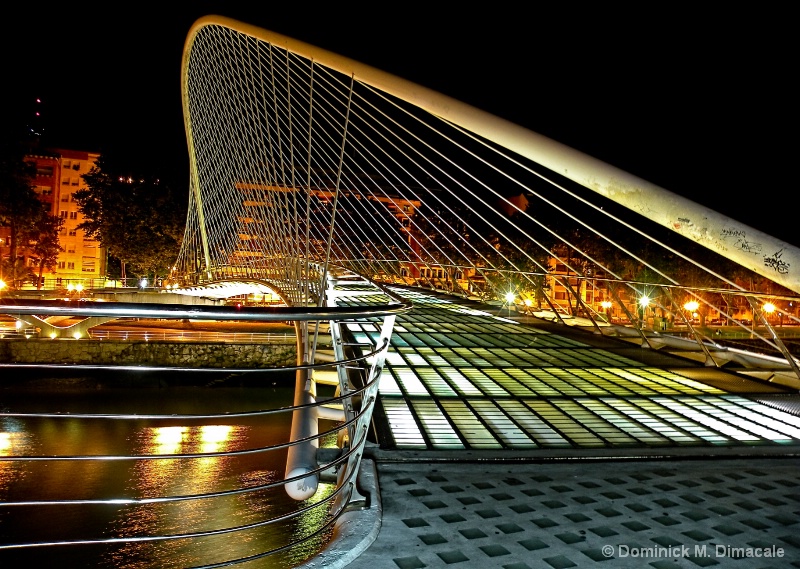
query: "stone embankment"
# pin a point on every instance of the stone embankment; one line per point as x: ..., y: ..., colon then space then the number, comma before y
x: 216, y: 355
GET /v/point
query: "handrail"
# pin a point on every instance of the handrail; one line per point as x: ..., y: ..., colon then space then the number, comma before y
x: 19, y: 306
x: 336, y: 500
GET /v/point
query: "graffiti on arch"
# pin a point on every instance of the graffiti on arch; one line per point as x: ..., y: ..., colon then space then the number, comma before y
x: 741, y: 242
x: 776, y: 263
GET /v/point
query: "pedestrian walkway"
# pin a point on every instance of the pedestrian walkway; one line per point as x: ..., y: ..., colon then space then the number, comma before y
x: 458, y: 376
x: 681, y: 512
x: 511, y: 445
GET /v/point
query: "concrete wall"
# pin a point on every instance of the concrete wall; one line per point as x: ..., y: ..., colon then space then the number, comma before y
x: 139, y: 353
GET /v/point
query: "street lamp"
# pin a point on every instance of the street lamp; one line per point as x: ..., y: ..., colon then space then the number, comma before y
x: 692, y: 306
x: 606, y: 304
x: 644, y: 302
x: 769, y: 308
x: 510, y: 296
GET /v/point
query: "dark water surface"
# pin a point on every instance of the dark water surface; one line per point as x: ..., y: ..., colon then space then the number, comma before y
x: 112, y: 482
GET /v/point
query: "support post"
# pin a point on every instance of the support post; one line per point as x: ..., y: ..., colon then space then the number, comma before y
x: 302, y: 457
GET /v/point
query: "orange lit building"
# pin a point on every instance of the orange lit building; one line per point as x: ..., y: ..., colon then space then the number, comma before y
x: 58, y: 177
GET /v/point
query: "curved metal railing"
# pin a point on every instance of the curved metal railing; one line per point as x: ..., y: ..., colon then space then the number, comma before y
x: 293, y: 537
x: 330, y: 507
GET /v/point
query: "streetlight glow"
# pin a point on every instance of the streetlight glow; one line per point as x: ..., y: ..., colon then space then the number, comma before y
x: 692, y: 305
x: 768, y: 307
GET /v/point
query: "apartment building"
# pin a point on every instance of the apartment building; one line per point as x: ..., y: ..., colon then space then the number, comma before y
x: 58, y: 177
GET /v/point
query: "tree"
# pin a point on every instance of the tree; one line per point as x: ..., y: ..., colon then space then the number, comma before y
x: 19, y: 206
x: 43, y: 244
x: 136, y: 218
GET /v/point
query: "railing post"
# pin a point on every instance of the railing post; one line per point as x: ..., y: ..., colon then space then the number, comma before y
x: 302, y: 456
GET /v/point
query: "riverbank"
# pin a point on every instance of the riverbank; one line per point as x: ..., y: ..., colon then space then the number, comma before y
x: 191, y: 355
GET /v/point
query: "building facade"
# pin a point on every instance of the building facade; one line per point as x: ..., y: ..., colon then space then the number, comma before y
x: 82, y: 260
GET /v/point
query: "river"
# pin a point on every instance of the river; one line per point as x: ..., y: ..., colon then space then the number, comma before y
x: 116, y: 504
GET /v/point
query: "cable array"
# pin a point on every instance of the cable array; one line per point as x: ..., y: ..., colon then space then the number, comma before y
x: 298, y: 165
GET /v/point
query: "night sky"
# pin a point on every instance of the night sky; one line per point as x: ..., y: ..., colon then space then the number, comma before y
x: 700, y: 103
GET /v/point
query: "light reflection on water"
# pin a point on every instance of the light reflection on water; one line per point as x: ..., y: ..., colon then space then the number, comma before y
x: 152, y: 478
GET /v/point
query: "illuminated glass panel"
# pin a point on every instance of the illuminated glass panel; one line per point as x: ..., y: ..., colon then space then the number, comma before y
x: 453, y: 359
x: 406, y: 339
x: 506, y: 357
x: 485, y: 357
x: 444, y: 340
x: 609, y: 432
x: 394, y: 359
x: 460, y: 383
x: 562, y: 380
x: 508, y: 383
x: 537, y: 429
x: 479, y: 379
x: 459, y: 340
x: 533, y: 383
x: 470, y: 428
x: 624, y: 383
x: 603, y: 385
x: 567, y: 426
x: 605, y: 409
x: 439, y: 430
x: 777, y: 414
x: 662, y: 427
x: 728, y: 411
x: 684, y: 381
x: 682, y: 422
x: 404, y: 428
x: 412, y: 357
x: 388, y: 385
x: 719, y: 426
x: 409, y: 381
x: 502, y: 427
x: 434, y: 382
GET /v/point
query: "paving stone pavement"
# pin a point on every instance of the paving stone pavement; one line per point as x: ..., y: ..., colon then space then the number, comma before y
x: 665, y: 514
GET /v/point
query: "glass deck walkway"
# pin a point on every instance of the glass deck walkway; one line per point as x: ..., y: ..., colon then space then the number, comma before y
x: 459, y: 377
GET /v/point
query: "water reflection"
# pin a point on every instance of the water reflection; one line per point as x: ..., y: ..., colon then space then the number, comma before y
x: 156, y: 496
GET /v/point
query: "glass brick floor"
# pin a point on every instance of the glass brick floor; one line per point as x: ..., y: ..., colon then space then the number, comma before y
x: 459, y: 377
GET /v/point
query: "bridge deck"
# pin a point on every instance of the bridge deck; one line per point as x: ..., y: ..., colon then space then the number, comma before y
x: 459, y: 377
